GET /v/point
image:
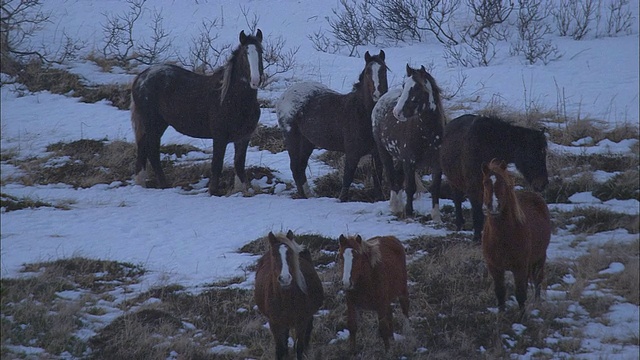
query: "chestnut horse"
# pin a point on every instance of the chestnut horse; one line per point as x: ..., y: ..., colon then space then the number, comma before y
x: 516, y: 232
x: 223, y: 107
x: 471, y: 140
x: 312, y: 115
x: 288, y: 292
x: 407, y: 127
x: 374, y: 273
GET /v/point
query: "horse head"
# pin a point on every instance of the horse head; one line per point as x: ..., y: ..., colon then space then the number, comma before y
x: 417, y: 94
x: 375, y: 75
x: 285, y: 256
x: 531, y: 159
x: 253, y: 50
x: 499, y: 194
x: 357, y: 258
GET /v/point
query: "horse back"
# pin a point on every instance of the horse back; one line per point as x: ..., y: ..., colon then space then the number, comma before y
x: 394, y: 264
x: 453, y: 151
x: 181, y: 98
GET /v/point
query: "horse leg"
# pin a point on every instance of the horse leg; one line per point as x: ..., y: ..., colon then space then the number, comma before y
x: 537, y: 275
x: 404, y: 302
x: 377, y: 175
x: 478, y: 219
x: 239, y: 159
x: 303, y: 334
x: 281, y: 338
x: 521, y: 278
x: 141, y: 161
x: 436, y: 181
x: 219, y: 148
x: 153, y: 154
x: 385, y: 325
x: 350, y: 165
x: 395, y: 201
x: 352, y: 324
x: 409, y: 186
x: 458, y: 198
x: 498, y: 286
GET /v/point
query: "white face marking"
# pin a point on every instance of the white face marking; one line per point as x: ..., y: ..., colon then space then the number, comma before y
x: 404, y: 97
x: 348, y: 264
x: 494, y: 199
x: 375, y: 68
x: 254, y: 66
x: 285, y: 275
x: 432, y: 101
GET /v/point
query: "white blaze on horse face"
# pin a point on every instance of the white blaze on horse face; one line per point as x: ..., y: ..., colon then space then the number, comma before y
x: 348, y: 265
x: 375, y: 70
x: 254, y: 66
x: 285, y: 275
x: 432, y: 101
x: 404, y: 97
x: 494, y: 200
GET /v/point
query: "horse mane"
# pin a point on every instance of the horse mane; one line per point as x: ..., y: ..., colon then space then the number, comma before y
x: 437, y: 98
x: 297, y: 271
x: 372, y: 249
x: 494, y: 166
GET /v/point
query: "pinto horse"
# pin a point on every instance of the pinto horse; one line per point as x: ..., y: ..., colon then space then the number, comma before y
x: 471, y: 140
x: 223, y: 107
x: 288, y: 292
x: 374, y: 273
x: 407, y: 127
x: 312, y: 115
x: 516, y: 232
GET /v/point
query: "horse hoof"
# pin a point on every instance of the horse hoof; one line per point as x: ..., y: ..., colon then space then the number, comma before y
x: 344, y: 195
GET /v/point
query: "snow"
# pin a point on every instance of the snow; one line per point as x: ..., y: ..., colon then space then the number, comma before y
x: 193, y: 239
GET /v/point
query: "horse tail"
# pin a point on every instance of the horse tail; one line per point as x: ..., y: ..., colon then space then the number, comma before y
x: 136, y: 122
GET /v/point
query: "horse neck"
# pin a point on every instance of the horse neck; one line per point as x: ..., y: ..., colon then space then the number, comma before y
x: 363, y: 97
x: 512, y: 211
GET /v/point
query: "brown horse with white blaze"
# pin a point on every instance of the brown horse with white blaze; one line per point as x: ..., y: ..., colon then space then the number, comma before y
x: 222, y: 106
x: 374, y: 273
x: 516, y: 233
x: 288, y: 292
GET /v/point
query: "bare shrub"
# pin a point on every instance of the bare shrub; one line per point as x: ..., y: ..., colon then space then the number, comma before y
x: 276, y: 59
x: 353, y: 25
x: 203, y: 54
x: 532, y: 31
x: 620, y: 18
x: 399, y: 19
x: 574, y: 17
x: 119, y: 42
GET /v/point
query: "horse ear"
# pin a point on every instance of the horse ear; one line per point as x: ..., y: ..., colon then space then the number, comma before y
x: 503, y: 165
x: 243, y: 37
x: 367, y: 57
x: 485, y: 168
x: 272, y: 238
x: 290, y: 235
x: 342, y: 240
x: 423, y: 69
x: 358, y: 239
x: 381, y: 55
x: 409, y: 70
x: 259, y: 35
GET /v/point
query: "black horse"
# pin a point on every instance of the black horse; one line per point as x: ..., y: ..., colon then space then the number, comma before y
x: 407, y: 127
x: 223, y: 107
x: 312, y: 115
x: 472, y: 140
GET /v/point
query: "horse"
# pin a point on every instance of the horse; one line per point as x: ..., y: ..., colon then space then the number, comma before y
x: 374, y: 273
x: 288, y: 292
x: 471, y: 140
x: 407, y: 127
x: 516, y: 232
x: 312, y: 115
x: 222, y: 106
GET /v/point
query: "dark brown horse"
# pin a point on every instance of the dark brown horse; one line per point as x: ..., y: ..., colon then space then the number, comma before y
x: 407, y: 127
x: 288, y: 292
x: 223, y: 107
x: 312, y: 115
x: 516, y: 232
x: 374, y: 273
x: 471, y: 140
